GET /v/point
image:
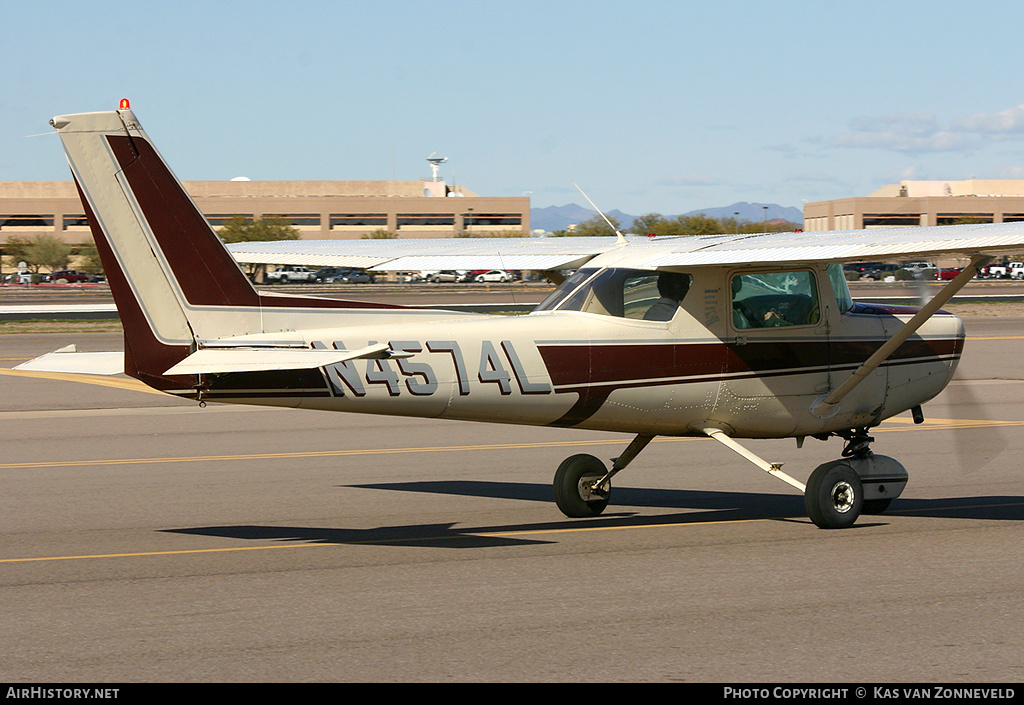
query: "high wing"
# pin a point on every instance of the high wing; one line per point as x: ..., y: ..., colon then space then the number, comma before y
x: 541, y: 254
x: 538, y: 254
x: 844, y: 246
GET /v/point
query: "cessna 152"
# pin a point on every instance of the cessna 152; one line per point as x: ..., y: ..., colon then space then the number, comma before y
x: 731, y: 337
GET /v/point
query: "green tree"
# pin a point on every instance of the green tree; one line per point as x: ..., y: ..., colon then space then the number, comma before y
x: 699, y: 224
x: 650, y: 223
x: 594, y: 227
x: 44, y: 250
x: 89, y: 258
x: 381, y: 234
x: 241, y: 229
x: 679, y: 226
x: 16, y: 249
x: 268, y: 229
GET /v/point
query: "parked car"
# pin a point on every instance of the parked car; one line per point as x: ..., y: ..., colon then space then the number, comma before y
x: 495, y: 275
x: 448, y: 275
x: 1003, y: 270
x: 861, y: 267
x: 919, y: 269
x: 71, y: 276
x: 22, y: 276
x: 291, y: 273
x: 325, y: 274
x: 880, y: 271
x: 354, y: 276
x: 950, y: 273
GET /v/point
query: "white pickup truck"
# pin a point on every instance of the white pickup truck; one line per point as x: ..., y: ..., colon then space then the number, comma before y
x: 1005, y: 270
x: 291, y: 273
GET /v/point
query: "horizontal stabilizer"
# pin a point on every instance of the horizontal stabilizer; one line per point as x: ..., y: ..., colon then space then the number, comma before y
x: 215, y: 360
x: 68, y: 359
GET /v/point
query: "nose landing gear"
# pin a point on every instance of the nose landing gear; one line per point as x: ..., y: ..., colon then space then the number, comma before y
x: 859, y: 483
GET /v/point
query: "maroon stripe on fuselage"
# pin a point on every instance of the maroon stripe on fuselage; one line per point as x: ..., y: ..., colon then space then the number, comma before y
x: 314, y: 302
x: 584, y: 364
x: 628, y: 364
x: 595, y: 371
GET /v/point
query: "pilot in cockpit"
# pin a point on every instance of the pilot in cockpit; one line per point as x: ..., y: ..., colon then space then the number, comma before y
x: 672, y: 287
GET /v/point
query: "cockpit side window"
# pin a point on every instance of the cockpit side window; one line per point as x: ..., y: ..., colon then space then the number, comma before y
x: 842, y: 290
x: 775, y: 299
x: 623, y: 293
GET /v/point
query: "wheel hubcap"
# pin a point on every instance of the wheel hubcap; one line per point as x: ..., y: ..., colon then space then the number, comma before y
x: 588, y: 489
x: 842, y: 497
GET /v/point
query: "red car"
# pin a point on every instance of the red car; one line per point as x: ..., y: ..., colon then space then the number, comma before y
x: 944, y: 274
x: 68, y: 275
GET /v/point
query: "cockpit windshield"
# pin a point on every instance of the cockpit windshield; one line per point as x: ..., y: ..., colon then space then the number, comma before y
x: 625, y: 293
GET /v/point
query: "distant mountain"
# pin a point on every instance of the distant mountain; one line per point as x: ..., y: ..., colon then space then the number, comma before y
x: 754, y: 212
x: 560, y: 217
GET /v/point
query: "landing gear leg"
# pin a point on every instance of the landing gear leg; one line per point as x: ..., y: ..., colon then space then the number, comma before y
x: 858, y: 447
x: 583, y: 487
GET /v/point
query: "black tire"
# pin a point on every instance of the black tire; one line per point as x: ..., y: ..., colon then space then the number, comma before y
x: 569, y: 476
x: 834, y: 497
x: 875, y: 506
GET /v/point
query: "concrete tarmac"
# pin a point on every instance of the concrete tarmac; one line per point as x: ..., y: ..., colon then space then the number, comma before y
x: 145, y: 539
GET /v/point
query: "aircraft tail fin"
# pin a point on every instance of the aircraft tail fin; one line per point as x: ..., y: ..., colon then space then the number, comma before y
x: 176, y: 286
x: 163, y: 262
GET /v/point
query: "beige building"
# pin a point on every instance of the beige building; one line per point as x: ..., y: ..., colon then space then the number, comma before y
x: 318, y: 209
x: 910, y: 203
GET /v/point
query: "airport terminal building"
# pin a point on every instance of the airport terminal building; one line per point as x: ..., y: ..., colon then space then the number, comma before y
x: 317, y: 209
x: 912, y: 203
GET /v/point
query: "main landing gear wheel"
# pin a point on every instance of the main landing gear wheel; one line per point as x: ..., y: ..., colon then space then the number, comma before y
x: 575, y: 493
x: 834, y: 497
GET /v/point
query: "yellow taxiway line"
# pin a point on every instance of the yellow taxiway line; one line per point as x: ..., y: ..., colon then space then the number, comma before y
x: 899, y: 424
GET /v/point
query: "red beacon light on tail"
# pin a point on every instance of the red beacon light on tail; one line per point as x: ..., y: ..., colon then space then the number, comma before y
x: 124, y: 105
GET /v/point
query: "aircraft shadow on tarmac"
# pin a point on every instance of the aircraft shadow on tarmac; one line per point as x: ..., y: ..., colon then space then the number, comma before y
x: 699, y: 506
x: 715, y: 505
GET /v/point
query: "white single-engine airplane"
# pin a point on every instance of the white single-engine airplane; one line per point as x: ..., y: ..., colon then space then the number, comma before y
x: 731, y: 336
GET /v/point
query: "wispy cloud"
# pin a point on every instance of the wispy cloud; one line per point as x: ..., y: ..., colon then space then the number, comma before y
x: 919, y: 133
x: 913, y: 133
x: 1005, y: 122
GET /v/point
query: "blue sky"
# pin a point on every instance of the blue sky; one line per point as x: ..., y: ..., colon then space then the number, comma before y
x: 650, y: 106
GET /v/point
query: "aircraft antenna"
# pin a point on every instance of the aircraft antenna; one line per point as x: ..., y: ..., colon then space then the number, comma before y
x: 620, y: 238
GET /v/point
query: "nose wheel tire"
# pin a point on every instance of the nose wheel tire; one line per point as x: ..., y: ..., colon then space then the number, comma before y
x: 834, y: 497
x: 575, y: 493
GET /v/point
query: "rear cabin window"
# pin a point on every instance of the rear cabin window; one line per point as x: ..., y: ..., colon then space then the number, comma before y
x: 624, y: 293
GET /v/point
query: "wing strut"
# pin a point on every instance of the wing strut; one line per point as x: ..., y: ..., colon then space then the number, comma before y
x: 774, y: 469
x: 823, y: 407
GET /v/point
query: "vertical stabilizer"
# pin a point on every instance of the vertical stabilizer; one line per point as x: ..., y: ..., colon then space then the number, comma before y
x: 172, y: 279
